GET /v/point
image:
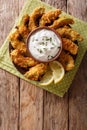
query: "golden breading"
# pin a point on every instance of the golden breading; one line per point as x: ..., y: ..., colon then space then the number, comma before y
x: 36, y: 72
x: 20, y: 60
x: 49, y: 17
x: 34, y: 18
x: 16, y: 41
x: 66, y: 60
x: 70, y: 46
x: 69, y: 33
x: 25, y: 20
x: 19, y: 45
x: 24, y: 31
x: 61, y: 22
x: 14, y: 36
x: 23, y: 28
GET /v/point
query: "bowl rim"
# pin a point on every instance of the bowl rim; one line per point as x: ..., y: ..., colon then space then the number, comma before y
x: 34, y: 31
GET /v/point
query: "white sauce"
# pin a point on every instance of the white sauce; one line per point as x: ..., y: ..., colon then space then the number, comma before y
x: 44, y: 45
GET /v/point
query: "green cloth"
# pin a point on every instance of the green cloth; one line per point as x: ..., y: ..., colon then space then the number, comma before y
x: 62, y: 87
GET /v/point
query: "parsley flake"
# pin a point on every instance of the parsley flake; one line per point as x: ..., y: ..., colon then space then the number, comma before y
x: 40, y: 50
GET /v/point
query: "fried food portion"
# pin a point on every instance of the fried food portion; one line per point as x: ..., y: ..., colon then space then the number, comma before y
x: 20, y: 33
x: 61, y: 22
x: 14, y: 36
x: 70, y: 46
x: 36, y: 72
x: 66, y: 60
x: 16, y: 41
x: 24, y: 31
x: 69, y: 33
x: 25, y: 20
x: 20, y: 60
x: 49, y: 17
x: 23, y: 28
x: 19, y: 45
x: 34, y: 18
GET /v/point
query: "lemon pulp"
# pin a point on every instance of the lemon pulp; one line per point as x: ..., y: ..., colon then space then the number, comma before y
x: 57, y: 70
x: 47, y: 78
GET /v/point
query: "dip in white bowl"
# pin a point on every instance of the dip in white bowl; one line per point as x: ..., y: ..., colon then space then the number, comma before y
x: 44, y: 44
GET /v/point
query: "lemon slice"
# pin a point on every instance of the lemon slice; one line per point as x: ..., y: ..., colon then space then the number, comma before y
x: 58, y: 71
x: 47, y: 78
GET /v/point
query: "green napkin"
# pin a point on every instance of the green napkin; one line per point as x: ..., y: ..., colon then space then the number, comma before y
x: 61, y: 88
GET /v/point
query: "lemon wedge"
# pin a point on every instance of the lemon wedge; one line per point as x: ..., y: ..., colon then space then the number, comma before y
x: 47, y: 78
x: 57, y: 70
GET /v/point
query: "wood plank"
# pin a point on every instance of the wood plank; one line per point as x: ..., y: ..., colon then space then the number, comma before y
x: 55, y: 108
x: 55, y: 112
x: 78, y: 91
x: 31, y: 107
x: 9, y: 101
x: 78, y: 99
x: 57, y: 3
x: 9, y: 89
x: 31, y: 103
x: 77, y: 8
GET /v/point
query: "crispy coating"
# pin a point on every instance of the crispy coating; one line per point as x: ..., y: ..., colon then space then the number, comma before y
x: 61, y: 22
x: 19, y: 45
x: 25, y: 20
x: 23, y: 28
x: 49, y: 17
x: 14, y: 36
x: 20, y: 60
x: 66, y: 60
x: 34, y: 18
x: 70, y: 46
x: 69, y: 33
x: 16, y: 41
x: 36, y: 72
x: 20, y: 33
x: 24, y: 31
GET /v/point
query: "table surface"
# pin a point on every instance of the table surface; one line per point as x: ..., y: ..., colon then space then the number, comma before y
x: 26, y: 107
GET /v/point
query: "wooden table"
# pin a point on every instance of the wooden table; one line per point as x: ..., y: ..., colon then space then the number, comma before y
x: 26, y: 107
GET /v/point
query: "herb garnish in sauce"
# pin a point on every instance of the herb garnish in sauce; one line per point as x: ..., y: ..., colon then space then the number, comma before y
x: 44, y: 44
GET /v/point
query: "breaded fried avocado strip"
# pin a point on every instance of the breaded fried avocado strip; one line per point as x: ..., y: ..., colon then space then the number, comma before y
x: 15, y: 35
x: 23, y: 28
x: 24, y: 31
x: 19, y: 45
x: 66, y: 60
x: 69, y: 33
x: 25, y: 20
x: 34, y: 18
x: 49, y: 17
x: 36, y: 72
x: 70, y: 46
x: 20, y: 60
x: 62, y: 21
x: 19, y: 34
x: 16, y: 41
